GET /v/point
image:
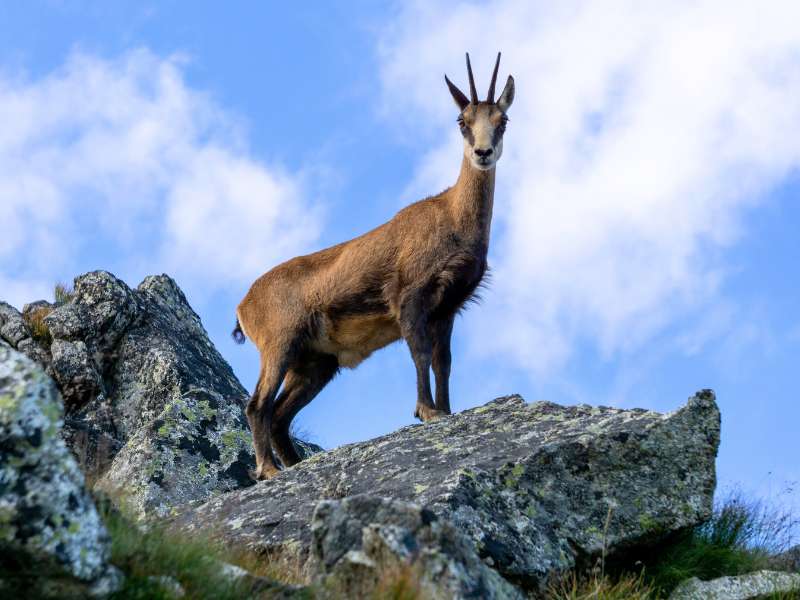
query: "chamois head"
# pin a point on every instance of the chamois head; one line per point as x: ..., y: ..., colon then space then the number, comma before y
x: 483, y: 123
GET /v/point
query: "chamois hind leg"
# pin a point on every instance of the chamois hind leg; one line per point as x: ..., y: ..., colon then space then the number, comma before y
x: 303, y: 382
x: 414, y: 328
x: 259, y: 410
x: 442, y: 331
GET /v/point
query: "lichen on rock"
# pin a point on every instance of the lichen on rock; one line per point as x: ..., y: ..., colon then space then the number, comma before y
x: 358, y: 540
x: 152, y: 410
x: 750, y: 586
x: 195, y: 447
x: 12, y: 326
x: 539, y: 489
x: 45, y: 511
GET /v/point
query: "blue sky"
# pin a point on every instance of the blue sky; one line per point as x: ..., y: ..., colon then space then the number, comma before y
x: 645, y: 234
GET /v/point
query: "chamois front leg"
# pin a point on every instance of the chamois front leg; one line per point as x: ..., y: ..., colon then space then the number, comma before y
x: 259, y: 414
x: 442, y: 331
x: 414, y: 327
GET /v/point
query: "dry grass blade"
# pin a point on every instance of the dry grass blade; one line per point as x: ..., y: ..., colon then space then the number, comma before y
x: 38, y: 328
x: 628, y: 587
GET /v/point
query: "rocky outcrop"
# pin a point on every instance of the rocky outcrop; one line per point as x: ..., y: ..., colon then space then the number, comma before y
x: 359, y: 540
x: 153, y: 412
x: 751, y: 586
x: 485, y: 503
x: 46, y: 514
x: 538, y: 489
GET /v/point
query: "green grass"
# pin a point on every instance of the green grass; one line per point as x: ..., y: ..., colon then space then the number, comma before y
x: 144, y: 555
x: 739, y: 538
x: 62, y: 294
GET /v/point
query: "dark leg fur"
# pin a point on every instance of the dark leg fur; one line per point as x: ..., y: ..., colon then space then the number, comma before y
x: 414, y: 328
x: 259, y: 414
x: 303, y: 383
x: 441, y: 332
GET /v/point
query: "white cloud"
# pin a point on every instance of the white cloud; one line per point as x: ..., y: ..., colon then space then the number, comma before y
x: 124, y: 156
x: 640, y: 136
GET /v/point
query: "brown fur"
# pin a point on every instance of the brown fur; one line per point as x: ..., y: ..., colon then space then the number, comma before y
x: 407, y: 278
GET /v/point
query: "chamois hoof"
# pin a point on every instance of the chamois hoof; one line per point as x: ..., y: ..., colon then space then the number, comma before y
x: 425, y: 413
x: 263, y: 473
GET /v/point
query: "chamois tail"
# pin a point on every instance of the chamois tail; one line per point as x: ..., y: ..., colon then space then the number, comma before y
x: 237, y: 334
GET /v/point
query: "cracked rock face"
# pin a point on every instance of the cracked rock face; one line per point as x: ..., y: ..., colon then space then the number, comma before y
x: 537, y: 488
x: 46, y: 513
x: 175, y: 402
x: 153, y: 411
x: 357, y: 539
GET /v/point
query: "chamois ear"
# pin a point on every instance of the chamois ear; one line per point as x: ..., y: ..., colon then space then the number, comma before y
x: 458, y: 96
x: 507, y: 97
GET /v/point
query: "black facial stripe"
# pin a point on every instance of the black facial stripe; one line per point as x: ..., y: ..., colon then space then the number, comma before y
x: 467, y: 133
x: 497, y: 135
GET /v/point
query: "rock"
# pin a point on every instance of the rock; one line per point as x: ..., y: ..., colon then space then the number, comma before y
x: 36, y: 306
x: 69, y: 322
x: 196, y: 446
x: 12, y: 326
x: 34, y: 350
x: 46, y: 513
x: 531, y: 485
x: 167, y: 424
x: 92, y: 436
x: 787, y: 561
x: 358, y: 540
x: 178, y: 406
x: 101, y: 310
x: 262, y: 586
x: 75, y: 372
x: 741, y: 587
x: 15, y: 332
x: 153, y: 411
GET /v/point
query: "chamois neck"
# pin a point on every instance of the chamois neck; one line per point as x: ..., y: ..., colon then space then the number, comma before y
x: 472, y: 199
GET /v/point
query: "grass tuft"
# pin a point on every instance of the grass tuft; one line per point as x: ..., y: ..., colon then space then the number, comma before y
x: 63, y: 294
x: 402, y: 583
x: 625, y: 587
x: 38, y: 328
x: 144, y: 555
x: 739, y: 538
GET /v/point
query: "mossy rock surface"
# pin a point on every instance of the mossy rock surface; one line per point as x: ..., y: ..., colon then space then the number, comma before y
x: 46, y: 514
x: 538, y: 489
x: 153, y: 413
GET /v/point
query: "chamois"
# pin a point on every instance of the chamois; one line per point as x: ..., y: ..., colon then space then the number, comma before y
x: 407, y: 278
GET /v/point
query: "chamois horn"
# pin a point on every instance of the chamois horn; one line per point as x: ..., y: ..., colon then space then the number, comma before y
x: 472, y: 91
x: 490, y: 95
